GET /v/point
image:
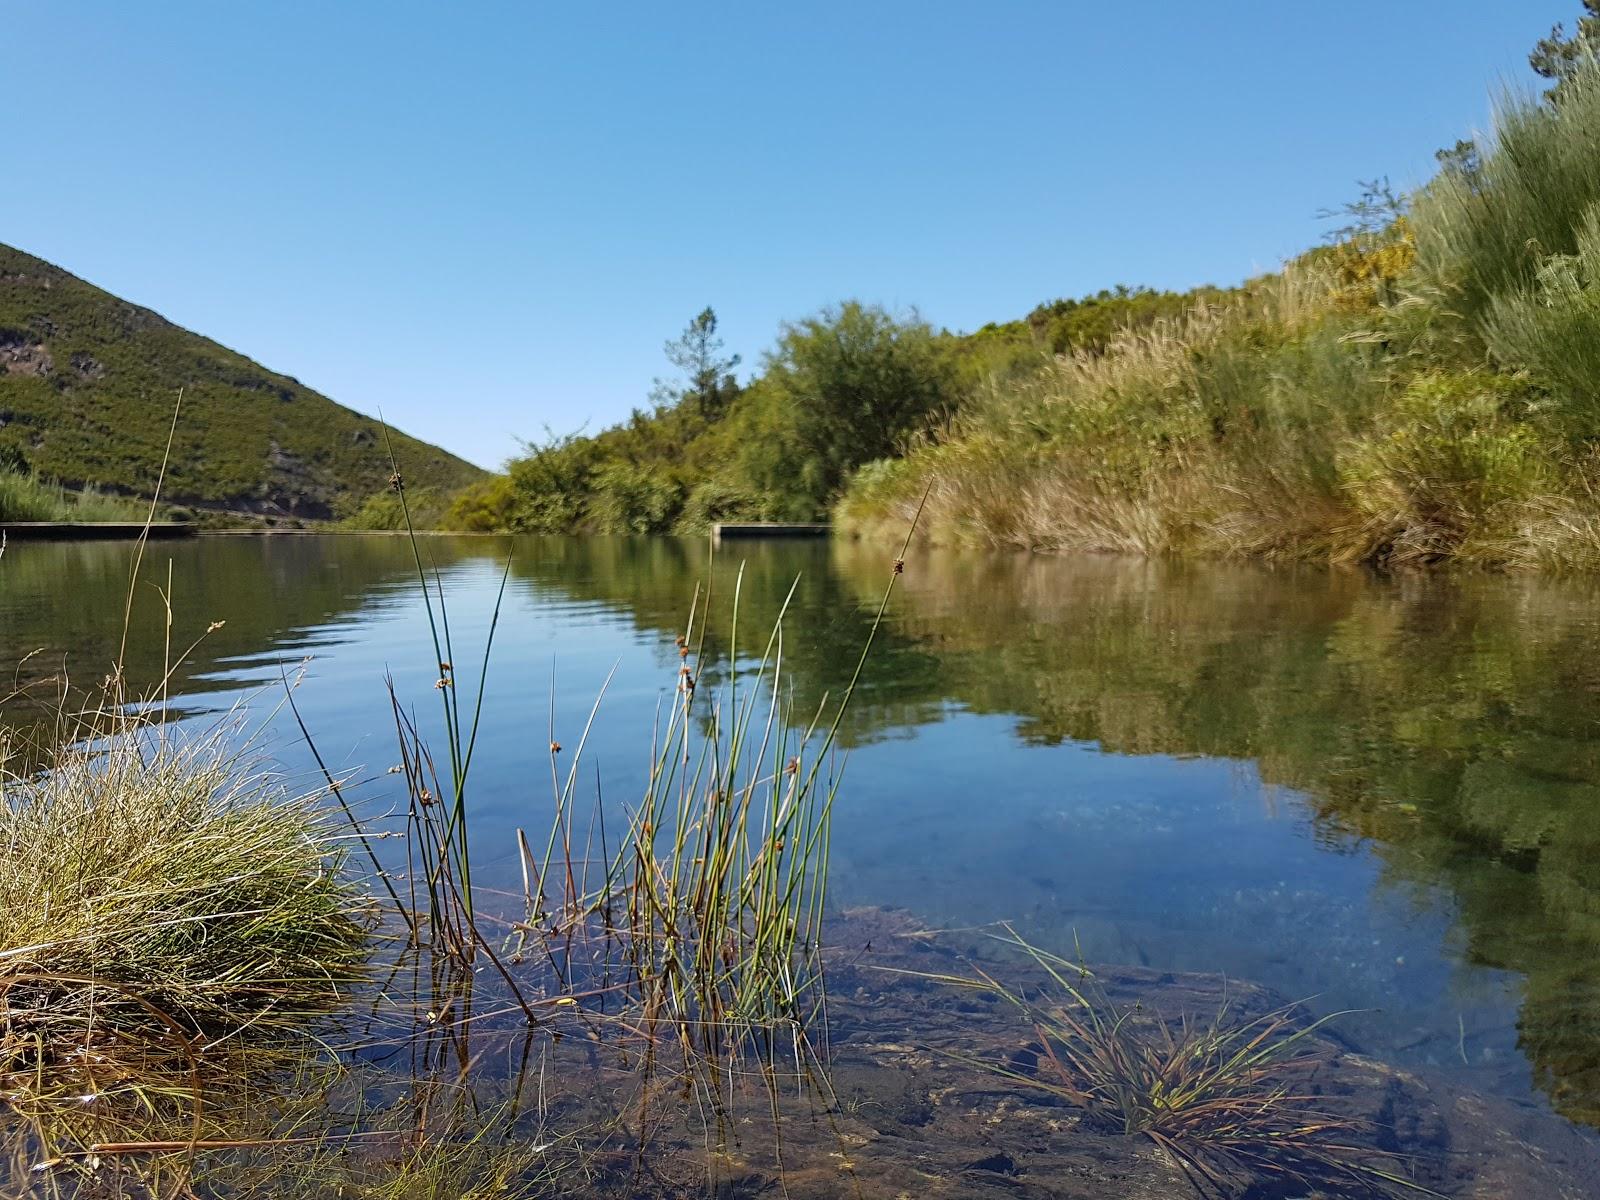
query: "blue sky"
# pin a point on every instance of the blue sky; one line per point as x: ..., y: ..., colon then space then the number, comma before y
x: 485, y: 218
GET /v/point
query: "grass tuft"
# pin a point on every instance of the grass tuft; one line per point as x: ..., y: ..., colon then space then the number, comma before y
x: 163, y: 911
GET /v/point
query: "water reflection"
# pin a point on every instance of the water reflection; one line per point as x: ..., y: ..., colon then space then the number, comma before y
x: 1448, y: 724
x: 1380, y: 792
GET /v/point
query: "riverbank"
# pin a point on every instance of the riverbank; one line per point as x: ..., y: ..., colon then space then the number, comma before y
x: 93, y: 531
x: 1420, y: 391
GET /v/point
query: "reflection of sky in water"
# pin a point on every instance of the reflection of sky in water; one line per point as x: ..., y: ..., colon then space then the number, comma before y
x: 1183, y: 863
x: 1175, y: 864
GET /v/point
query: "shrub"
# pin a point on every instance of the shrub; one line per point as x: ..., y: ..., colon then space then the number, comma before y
x: 482, y: 507
x: 717, y: 500
x: 634, y: 499
x: 553, y: 484
x: 854, y: 381
x: 1451, y: 463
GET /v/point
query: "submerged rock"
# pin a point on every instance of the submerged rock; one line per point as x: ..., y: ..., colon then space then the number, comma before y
x: 1421, y: 1127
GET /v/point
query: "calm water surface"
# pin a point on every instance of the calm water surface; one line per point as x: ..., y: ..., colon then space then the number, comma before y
x: 1383, y: 794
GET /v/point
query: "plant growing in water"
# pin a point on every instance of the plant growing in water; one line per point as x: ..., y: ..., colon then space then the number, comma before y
x: 706, y: 919
x: 1228, y: 1099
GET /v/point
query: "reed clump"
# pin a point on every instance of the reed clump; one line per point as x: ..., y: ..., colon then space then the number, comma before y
x: 702, y: 919
x: 1229, y: 1099
x: 708, y: 912
x: 164, y: 910
x: 28, y: 497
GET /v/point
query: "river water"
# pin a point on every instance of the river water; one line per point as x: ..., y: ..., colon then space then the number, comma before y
x: 1369, y: 793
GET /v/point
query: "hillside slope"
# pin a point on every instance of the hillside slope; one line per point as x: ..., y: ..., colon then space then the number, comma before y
x: 87, y: 385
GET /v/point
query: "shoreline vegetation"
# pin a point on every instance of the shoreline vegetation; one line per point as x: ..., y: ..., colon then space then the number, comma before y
x: 1420, y: 389
x: 196, y: 962
x: 217, y: 986
x: 27, y: 497
x: 183, y: 939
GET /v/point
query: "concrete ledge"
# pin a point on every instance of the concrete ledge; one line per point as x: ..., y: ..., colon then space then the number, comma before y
x: 83, y: 531
x: 765, y: 529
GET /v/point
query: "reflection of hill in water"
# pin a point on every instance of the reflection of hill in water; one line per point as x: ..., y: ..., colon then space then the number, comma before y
x: 1450, y: 721
x: 61, y: 605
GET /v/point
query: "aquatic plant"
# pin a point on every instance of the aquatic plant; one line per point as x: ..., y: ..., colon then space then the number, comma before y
x: 1227, y: 1098
x: 330, y: 1129
x: 473, y: 1161
x: 706, y: 917
x: 714, y: 897
x: 441, y: 1137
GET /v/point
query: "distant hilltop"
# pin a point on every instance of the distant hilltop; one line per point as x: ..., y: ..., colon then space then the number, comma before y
x: 87, y: 387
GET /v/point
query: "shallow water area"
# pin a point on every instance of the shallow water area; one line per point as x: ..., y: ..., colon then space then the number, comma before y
x: 1362, y: 793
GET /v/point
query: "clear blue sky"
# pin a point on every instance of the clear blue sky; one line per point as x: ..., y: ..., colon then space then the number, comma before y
x: 487, y: 217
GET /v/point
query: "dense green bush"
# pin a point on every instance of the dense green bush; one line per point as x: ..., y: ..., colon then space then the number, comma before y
x: 1450, y: 462
x: 841, y: 387
x: 482, y: 507
x: 717, y: 500
x: 424, y: 508
x: 629, y: 498
x: 552, y: 485
x: 850, y: 383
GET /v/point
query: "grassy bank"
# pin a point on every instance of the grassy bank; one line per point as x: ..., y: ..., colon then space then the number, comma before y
x: 1421, y: 390
x: 26, y: 497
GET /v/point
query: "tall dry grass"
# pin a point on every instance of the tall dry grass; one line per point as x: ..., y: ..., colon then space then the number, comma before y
x: 27, y: 497
x: 1212, y: 433
x: 1447, y: 415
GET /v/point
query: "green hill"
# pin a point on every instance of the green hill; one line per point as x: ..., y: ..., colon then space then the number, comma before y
x: 87, y: 385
